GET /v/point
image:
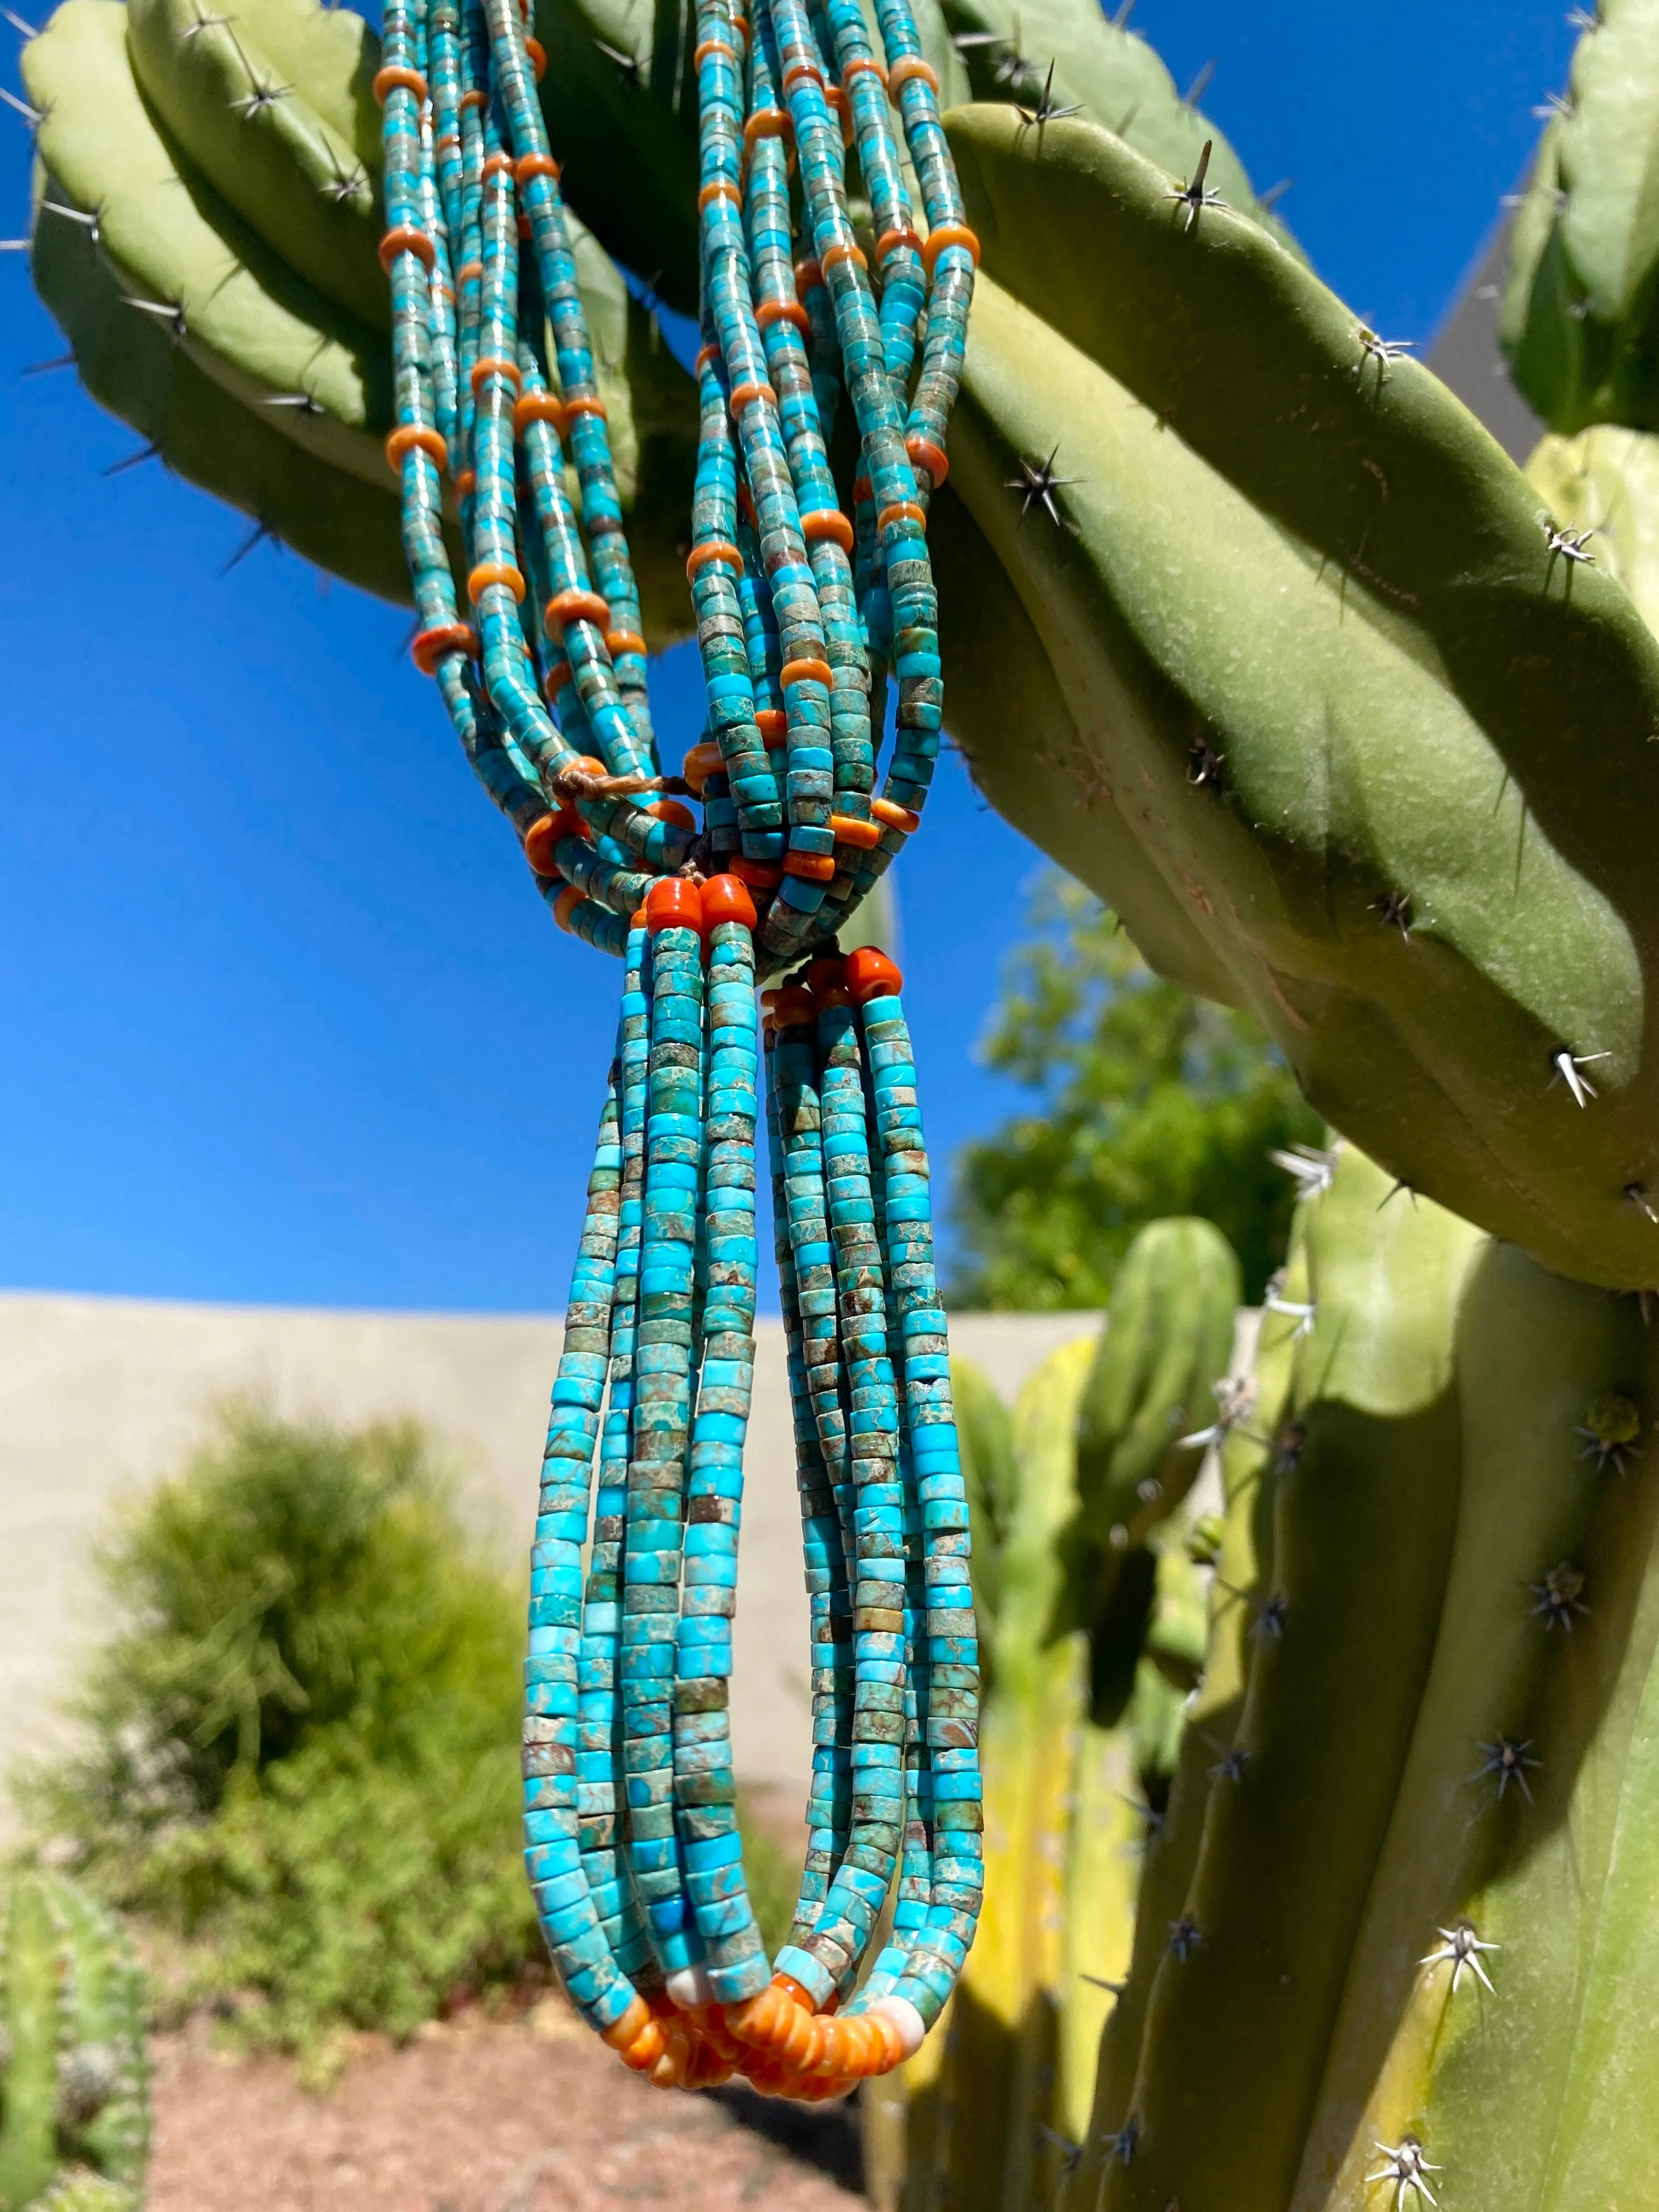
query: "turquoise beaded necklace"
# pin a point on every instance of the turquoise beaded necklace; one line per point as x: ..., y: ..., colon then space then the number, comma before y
x: 805, y: 616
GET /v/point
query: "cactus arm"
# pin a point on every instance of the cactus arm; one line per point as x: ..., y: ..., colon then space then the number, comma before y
x: 30, y: 1966
x: 986, y: 1436
x: 129, y: 365
x: 1606, y: 481
x: 1425, y: 745
x: 1534, y: 1352
x: 1166, y: 1342
x: 1363, y: 1533
x: 329, y: 56
x: 1578, y: 320
x: 249, y: 323
x: 1102, y: 1877
x: 281, y: 164
x: 108, y: 2016
x: 1051, y: 786
x: 1104, y: 70
x: 993, y: 2091
x: 1241, y: 1583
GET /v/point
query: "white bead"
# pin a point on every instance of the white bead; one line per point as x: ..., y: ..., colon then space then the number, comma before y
x: 908, y: 2022
x: 689, y: 1989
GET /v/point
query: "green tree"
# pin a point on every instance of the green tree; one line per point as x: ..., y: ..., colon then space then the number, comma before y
x: 1148, y: 1102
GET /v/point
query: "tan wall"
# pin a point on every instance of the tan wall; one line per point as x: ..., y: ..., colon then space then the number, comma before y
x: 98, y: 1397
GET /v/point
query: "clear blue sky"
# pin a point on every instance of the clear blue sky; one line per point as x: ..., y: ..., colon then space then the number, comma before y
x: 280, y: 1017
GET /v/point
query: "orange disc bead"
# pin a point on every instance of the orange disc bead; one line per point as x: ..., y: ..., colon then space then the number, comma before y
x: 495, y: 364
x: 584, y: 403
x: 894, y: 241
x: 725, y: 898
x: 496, y: 165
x: 793, y: 1006
x: 806, y: 672
x: 783, y: 311
x: 538, y: 53
x: 537, y: 407
x: 895, y: 816
x: 701, y: 762
x: 405, y: 239
x: 391, y: 78
x: 906, y: 67
x: 495, y: 572
x: 901, y: 510
x: 821, y: 523
x: 759, y: 875
x: 674, y: 902
x: 842, y: 250
x: 712, y: 549
x: 618, y: 641
x: 863, y: 65
x: 926, y: 458
x: 566, y: 904
x: 774, y: 725
x: 847, y: 829
x: 672, y: 810
x: 466, y: 483
x: 746, y: 395
x: 872, y: 975
x: 575, y: 605
x: 827, y: 972
x: 948, y: 234
x: 530, y: 166
x: 810, y: 867
x: 415, y: 437
x: 431, y: 646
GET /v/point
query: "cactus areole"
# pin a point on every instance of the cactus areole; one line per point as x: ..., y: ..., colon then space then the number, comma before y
x: 804, y: 612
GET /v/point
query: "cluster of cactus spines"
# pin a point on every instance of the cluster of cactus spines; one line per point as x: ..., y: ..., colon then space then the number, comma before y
x: 1580, y: 314
x: 74, y: 2104
x: 1603, y: 486
x: 240, y: 323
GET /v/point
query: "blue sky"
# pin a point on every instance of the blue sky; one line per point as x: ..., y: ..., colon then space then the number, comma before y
x: 280, y: 1017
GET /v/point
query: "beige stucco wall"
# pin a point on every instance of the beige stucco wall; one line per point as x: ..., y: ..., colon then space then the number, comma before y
x: 98, y: 1397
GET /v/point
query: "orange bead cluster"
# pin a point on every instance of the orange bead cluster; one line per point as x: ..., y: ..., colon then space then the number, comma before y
x: 775, y: 2041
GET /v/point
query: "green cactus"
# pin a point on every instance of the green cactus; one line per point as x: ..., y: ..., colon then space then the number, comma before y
x: 1408, y: 691
x: 74, y: 2108
x: 1102, y: 71
x: 991, y: 1472
x: 1580, y: 316
x: 1166, y: 1342
x: 1606, y: 482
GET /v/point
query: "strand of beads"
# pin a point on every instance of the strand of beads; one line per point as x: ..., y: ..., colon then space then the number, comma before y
x: 630, y: 1826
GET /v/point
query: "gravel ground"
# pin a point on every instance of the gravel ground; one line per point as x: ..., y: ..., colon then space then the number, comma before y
x: 524, y: 2116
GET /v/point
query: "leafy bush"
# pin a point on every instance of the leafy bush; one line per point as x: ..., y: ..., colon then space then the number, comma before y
x: 299, y: 1753
x: 1148, y: 1103
x: 300, y: 1736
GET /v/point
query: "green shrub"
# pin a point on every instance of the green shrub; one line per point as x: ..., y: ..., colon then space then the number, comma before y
x: 1148, y: 1103
x: 299, y: 1756
x: 300, y: 1737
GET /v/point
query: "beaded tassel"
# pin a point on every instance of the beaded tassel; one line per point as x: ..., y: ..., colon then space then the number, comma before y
x: 804, y: 612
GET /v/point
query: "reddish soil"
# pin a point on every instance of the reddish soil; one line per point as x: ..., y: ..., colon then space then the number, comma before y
x: 533, y: 2116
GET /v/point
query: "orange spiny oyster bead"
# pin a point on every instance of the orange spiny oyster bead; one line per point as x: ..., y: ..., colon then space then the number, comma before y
x: 779, y: 2021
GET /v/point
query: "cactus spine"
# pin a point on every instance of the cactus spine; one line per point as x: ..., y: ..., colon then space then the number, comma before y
x: 74, y: 2107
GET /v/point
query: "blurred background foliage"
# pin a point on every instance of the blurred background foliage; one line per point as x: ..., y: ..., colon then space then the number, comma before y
x: 295, y: 1763
x: 1146, y: 1102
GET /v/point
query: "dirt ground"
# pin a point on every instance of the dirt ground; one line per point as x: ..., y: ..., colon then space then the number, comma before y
x: 533, y: 2116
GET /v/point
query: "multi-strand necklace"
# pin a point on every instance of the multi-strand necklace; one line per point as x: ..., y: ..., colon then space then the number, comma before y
x: 804, y: 614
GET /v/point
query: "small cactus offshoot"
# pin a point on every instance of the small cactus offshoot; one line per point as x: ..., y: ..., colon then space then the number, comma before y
x: 74, y: 2103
